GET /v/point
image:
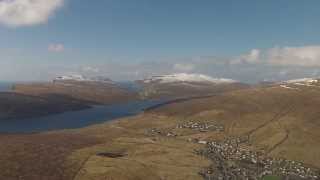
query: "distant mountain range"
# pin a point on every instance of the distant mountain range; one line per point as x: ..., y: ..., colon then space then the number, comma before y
x: 181, y: 78
x: 191, y: 78
x: 184, y: 85
x: 77, y: 91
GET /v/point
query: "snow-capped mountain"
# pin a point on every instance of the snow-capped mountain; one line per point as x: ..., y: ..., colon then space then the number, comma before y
x: 183, y: 77
x: 184, y: 85
x: 77, y: 77
x: 296, y: 83
x: 101, y: 79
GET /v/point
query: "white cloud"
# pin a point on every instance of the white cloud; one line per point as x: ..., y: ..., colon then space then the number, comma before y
x: 16, y: 13
x: 307, y: 56
x: 91, y: 69
x: 252, y: 57
x: 300, y: 56
x: 56, y: 48
x: 183, y: 67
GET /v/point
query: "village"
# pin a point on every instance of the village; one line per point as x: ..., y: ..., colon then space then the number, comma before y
x: 202, y: 127
x: 235, y: 159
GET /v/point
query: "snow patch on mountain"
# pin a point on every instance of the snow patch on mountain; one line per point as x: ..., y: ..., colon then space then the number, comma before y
x: 183, y: 77
x: 77, y: 77
x: 293, y: 84
x: 303, y: 80
x: 287, y: 87
x: 74, y: 77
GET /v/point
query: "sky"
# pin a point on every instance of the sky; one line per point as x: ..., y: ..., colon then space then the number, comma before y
x: 247, y: 40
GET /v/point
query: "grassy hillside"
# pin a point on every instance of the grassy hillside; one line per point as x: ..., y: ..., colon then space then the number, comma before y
x: 117, y: 150
x: 282, y: 122
x: 169, y: 142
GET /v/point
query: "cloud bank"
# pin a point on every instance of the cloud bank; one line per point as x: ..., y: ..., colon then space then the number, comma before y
x: 183, y: 67
x: 15, y: 13
x: 305, y: 56
x: 273, y: 64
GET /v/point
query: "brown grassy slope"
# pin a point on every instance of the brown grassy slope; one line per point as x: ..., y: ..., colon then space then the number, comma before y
x: 283, y: 122
x: 95, y: 92
x: 72, y: 154
x: 39, y: 156
x: 146, y: 157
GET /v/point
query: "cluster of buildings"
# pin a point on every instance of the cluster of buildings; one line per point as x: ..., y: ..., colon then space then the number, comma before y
x: 201, y: 126
x: 232, y: 159
x: 158, y: 132
x: 197, y: 126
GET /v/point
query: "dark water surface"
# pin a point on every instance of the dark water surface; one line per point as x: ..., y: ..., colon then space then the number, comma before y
x: 75, y: 119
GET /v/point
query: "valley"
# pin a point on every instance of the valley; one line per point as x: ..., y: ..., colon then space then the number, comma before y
x: 76, y: 93
x: 159, y: 90
x: 258, y: 132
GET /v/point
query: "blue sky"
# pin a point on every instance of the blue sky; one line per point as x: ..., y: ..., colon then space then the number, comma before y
x: 119, y: 38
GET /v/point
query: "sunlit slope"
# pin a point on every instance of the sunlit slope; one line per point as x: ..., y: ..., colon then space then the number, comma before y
x: 82, y: 154
x: 92, y: 91
x: 283, y: 122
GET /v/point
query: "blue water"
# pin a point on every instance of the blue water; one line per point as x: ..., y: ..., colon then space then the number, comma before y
x: 74, y: 119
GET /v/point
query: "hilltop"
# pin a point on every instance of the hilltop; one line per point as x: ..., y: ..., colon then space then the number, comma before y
x: 187, y: 78
x: 186, y: 85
